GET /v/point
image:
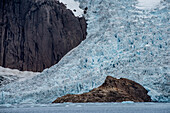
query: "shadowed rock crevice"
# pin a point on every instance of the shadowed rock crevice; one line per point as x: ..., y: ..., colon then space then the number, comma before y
x: 112, y: 90
x: 35, y: 35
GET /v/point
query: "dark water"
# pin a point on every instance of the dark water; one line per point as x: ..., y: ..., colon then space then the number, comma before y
x: 89, y: 108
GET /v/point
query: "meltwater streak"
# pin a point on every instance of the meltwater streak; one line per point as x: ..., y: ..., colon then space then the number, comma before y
x: 122, y: 41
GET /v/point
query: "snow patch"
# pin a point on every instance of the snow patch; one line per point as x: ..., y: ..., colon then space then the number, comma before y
x: 147, y: 4
x: 73, y: 6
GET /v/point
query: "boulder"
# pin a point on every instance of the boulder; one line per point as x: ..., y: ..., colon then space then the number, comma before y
x: 112, y: 90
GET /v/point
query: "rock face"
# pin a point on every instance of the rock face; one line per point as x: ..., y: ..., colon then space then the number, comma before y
x: 112, y: 90
x: 35, y: 35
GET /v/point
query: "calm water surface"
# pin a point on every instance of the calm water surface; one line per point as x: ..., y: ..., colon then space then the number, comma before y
x: 88, y: 108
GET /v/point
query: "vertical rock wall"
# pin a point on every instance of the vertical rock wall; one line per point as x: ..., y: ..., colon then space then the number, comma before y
x: 35, y: 35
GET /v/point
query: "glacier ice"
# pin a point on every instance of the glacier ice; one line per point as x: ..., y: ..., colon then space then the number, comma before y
x: 8, y: 75
x: 123, y: 41
x: 147, y: 4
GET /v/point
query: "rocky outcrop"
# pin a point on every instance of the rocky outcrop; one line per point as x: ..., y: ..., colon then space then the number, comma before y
x: 112, y: 90
x: 36, y: 34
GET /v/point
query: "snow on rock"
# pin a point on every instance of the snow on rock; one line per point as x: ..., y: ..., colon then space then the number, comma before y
x: 73, y: 6
x: 122, y: 41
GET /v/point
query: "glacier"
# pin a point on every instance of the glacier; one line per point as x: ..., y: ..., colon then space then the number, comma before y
x: 8, y: 75
x: 147, y: 4
x: 123, y: 41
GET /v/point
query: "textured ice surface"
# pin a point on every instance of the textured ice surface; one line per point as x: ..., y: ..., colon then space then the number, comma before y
x: 147, y: 4
x: 11, y: 75
x: 122, y: 41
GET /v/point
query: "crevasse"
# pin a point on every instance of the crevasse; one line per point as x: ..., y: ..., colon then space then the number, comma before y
x: 122, y: 41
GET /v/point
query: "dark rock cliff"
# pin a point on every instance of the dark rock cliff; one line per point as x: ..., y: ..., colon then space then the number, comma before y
x: 35, y: 35
x: 112, y: 90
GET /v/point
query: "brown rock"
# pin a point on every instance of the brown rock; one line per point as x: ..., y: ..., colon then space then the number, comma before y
x: 112, y: 90
x: 36, y: 35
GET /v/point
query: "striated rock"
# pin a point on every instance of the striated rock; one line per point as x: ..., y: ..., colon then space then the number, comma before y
x: 36, y: 34
x: 112, y: 90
